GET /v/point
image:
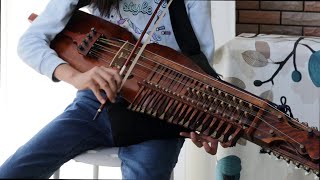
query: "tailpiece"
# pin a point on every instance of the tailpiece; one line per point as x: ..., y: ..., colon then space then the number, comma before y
x: 168, y: 85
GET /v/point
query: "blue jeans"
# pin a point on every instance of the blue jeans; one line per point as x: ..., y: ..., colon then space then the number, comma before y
x: 74, y: 132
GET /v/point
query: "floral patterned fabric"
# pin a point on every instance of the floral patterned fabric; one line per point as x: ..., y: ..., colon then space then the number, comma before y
x: 272, y: 66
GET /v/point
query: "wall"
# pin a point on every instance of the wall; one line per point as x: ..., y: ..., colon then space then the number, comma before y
x: 278, y: 17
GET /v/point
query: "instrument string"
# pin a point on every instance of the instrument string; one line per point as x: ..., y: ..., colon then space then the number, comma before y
x: 253, y: 113
x: 174, y: 79
x: 238, y: 98
x: 143, y: 65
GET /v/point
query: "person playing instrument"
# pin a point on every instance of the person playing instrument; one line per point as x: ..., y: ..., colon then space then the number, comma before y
x: 73, y: 131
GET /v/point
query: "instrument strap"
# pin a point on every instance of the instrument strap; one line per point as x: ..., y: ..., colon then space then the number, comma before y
x: 186, y: 37
x: 82, y: 3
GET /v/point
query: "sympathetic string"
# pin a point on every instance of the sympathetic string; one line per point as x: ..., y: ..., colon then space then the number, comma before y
x: 111, y: 43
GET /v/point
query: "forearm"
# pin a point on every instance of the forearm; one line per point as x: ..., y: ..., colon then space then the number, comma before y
x: 34, y: 45
x: 65, y: 72
x: 96, y: 79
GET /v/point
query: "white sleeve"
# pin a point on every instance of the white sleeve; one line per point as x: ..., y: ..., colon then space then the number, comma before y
x: 34, y: 45
x: 200, y: 17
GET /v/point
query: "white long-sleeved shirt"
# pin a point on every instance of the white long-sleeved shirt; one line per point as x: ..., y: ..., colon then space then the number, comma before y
x: 34, y: 45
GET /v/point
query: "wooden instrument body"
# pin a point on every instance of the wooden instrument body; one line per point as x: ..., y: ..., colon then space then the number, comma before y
x: 190, y: 106
x: 81, y: 25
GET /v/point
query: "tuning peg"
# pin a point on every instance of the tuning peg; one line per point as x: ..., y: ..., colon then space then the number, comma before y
x: 305, y: 123
x: 287, y: 160
x: 315, y: 128
x: 289, y: 164
x: 263, y: 151
x: 278, y: 158
x: 85, y: 41
x: 297, y: 165
x: 282, y: 158
x: 317, y: 173
x: 268, y: 151
x: 89, y: 36
x: 93, y: 30
x: 272, y: 132
x: 302, y: 148
x: 310, y: 132
x: 306, y: 168
x: 81, y: 48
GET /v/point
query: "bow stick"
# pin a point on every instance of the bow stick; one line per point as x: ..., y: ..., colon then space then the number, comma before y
x: 136, y: 47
